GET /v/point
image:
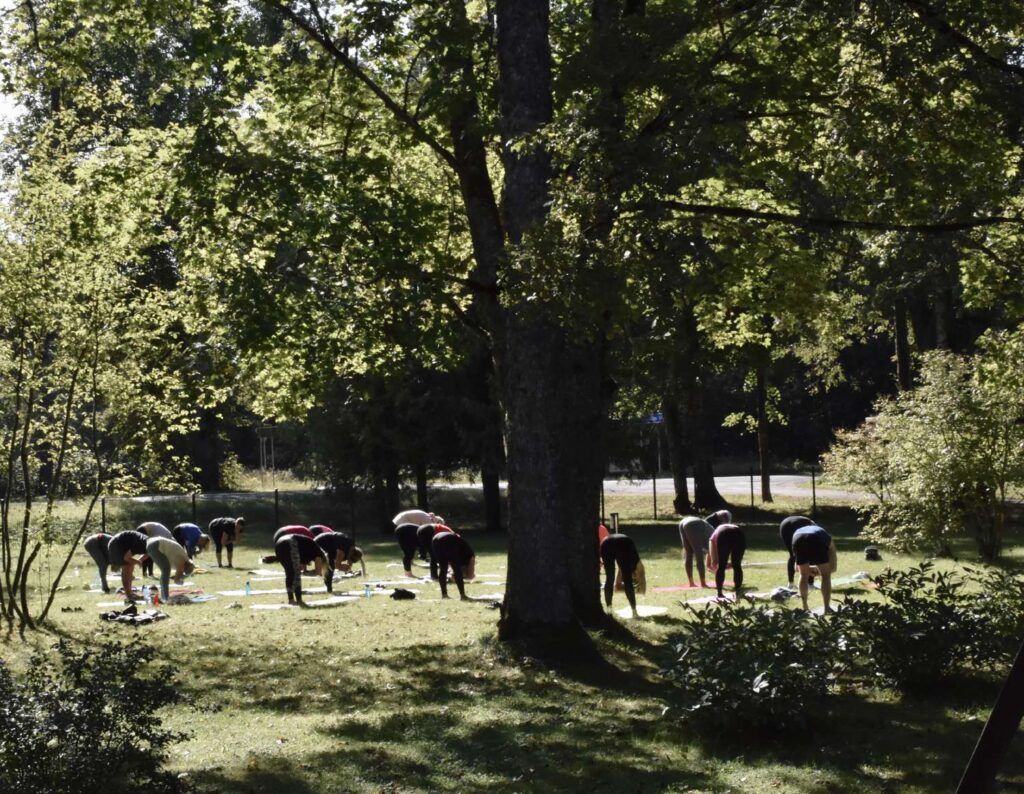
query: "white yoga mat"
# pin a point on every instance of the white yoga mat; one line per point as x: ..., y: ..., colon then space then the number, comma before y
x: 711, y: 599
x: 643, y: 610
x: 323, y: 602
x: 266, y: 572
x: 274, y: 591
x: 489, y: 597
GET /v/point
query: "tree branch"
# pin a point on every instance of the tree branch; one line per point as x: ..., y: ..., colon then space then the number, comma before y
x: 813, y: 222
x: 931, y: 17
x: 321, y: 37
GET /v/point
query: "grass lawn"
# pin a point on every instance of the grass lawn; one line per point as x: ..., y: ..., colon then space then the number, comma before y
x: 380, y: 695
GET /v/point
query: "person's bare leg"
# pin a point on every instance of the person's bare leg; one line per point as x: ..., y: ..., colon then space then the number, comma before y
x: 688, y: 562
x: 804, y: 576
x: 826, y: 587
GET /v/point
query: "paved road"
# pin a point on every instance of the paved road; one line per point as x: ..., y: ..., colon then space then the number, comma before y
x: 798, y: 485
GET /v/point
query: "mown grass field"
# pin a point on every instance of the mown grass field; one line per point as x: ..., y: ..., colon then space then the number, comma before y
x: 407, y: 696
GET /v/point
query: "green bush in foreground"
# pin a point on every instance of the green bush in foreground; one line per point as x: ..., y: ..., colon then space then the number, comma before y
x: 87, y: 724
x: 746, y: 668
x: 931, y: 625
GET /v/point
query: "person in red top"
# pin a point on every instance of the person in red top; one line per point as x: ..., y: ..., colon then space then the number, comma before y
x: 425, y: 536
x: 294, y: 529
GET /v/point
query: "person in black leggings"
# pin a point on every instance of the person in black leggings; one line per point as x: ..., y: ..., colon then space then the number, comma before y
x: 451, y: 549
x: 96, y: 545
x: 620, y: 550
x: 341, y: 552
x: 405, y: 534
x: 126, y: 550
x: 295, y: 552
x: 786, y: 530
x: 728, y: 544
x: 226, y: 532
x: 424, y: 538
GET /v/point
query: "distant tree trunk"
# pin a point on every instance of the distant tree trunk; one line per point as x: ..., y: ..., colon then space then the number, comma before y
x: 903, y: 376
x: 392, y: 494
x: 922, y: 320
x: 490, y: 471
x: 422, y: 497
x: 763, y: 451
x: 678, y: 456
x: 943, y: 319
x: 206, y: 451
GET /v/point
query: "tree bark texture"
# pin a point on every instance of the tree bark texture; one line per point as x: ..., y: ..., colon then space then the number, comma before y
x: 904, y: 379
x: 551, y: 383
x: 763, y: 443
x: 678, y: 456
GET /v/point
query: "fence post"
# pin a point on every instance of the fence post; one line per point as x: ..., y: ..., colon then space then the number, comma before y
x: 103, y: 514
x: 277, y: 502
x: 814, y: 495
x: 654, y: 485
x: 615, y: 522
x: 602, y: 500
x: 752, y: 511
x: 193, y: 507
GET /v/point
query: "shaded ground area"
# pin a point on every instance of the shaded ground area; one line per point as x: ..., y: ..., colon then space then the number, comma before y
x: 386, y: 696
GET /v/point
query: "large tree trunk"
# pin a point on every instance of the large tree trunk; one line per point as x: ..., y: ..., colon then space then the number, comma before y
x: 903, y: 376
x: 492, y: 459
x: 551, y: 385
x: 678, y: 456
x: 422, y: 495
x: 705, y: 492
x: 763, y: 450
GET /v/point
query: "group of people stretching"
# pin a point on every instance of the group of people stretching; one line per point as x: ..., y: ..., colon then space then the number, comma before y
x: 296, y: 546
x: 715, y: 543
x: 426, y: 534
x: 718, y: 543
x: 171, y: 550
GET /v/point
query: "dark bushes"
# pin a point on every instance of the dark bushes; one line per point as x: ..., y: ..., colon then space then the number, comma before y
x: 88, y: 723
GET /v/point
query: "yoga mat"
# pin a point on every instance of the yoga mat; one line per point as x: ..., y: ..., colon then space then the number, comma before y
x: 266, y: 572
x: 275, y: 591
x: 675, y: 588
x: 711, y: 599
x: 333, y: 601
x: 644, y: 611
x: 763, y: 564
x: 489, y: 597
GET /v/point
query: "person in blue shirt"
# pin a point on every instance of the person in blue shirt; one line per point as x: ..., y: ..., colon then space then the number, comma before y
x: 191, y: 538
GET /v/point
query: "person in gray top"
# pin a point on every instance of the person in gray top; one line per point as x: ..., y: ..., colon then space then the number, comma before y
x: 694, y: 533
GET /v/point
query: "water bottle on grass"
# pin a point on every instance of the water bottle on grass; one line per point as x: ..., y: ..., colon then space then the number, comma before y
x: 248, y: 588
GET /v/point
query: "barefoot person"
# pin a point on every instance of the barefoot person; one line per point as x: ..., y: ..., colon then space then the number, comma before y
x: 451, y: 550
x: 405, y: 534
x: 424, y: 539
x: 226, y: 532
x: 786, y: 530
x: 815, y: 554
x: 618, y: 550
x: 727, y: 545
x: 96, y: 545
x: 126, y: 550
x: 295, y: 552
x: 172, y: 560
x: 694, y: 533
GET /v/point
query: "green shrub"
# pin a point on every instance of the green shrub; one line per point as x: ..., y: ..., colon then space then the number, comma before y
x: 747, y: 668
x: 87, y: 724
x: 932, y: 625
